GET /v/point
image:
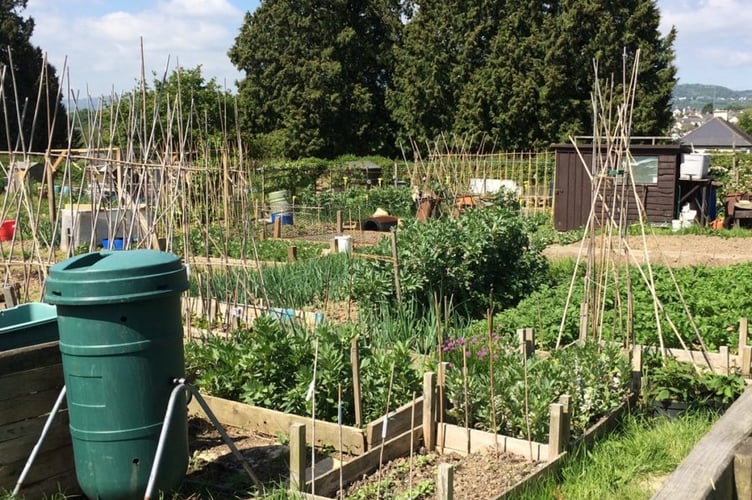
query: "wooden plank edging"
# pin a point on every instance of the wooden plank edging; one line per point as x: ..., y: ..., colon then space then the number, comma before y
x: 327, y: 484
x: 454, y: 438
x: 246, y: 313
x: 603, y: 426
x: 274, y: 422
x: 545, y: 470
x: 399, y: 422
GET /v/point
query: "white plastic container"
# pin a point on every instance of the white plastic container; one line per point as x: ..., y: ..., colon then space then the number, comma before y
x: 344, y: 244
x: 676, y: 225
x: 694, y: 166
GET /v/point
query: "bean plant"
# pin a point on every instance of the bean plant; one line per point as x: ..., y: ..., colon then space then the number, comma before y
x: 271, y: 365
x: 596, y: 377
x: 465, y: 259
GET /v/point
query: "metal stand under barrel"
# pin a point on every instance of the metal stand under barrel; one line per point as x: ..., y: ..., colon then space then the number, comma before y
x: 180, y: 386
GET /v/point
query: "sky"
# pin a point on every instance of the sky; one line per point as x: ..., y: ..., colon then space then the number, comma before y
x: 99, y: 41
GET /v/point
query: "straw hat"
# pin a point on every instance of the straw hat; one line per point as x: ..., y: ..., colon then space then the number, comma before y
x: 743, y: 204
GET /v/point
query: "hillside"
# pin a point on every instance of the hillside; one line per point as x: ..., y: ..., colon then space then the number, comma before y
x: 697, y: 95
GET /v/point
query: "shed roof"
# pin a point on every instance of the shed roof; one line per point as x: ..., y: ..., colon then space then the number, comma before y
x: 717, y: 133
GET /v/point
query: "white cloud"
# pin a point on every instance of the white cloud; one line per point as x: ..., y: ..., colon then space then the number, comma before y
x: 714, y: 40
x: 103, y: 44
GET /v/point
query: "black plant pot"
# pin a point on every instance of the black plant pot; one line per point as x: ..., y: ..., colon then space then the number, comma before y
x: 669, y: 409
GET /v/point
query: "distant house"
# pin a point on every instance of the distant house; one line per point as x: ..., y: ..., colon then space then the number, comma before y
x: 718, y: 134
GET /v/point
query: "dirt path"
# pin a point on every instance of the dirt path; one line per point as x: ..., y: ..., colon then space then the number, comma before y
x: 677, y: 250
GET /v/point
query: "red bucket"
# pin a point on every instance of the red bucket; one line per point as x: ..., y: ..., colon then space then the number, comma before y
x: 7, y: 228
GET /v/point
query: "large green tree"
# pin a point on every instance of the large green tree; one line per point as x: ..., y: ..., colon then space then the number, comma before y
x: 29, y: 88
x: 519, y: 74
x: 316, y: 74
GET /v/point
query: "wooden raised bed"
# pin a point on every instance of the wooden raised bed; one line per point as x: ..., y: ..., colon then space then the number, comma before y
x: 407, y: 428
x: 30, y: 380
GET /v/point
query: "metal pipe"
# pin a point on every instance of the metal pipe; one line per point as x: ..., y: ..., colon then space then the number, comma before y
x: 163, y: 437
x: 38, y: 446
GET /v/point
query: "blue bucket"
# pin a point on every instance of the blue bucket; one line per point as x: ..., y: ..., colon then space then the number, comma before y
x: 115, y: 244
x: 284, y: 219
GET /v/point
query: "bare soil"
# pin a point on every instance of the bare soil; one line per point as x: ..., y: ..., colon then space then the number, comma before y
x: 675, y: 250
x: 215, y: 473
x: 478, y: 476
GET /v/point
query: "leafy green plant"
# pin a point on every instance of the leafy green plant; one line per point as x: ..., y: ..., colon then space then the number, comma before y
x: 667, y: 381
x: 715, y: 317
x: 463, y: 259
x: 271, y: 365
x: 596, y: 377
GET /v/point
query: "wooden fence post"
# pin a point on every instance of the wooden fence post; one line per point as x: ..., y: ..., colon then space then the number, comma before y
x: 292, y: 254
x: 339, y: 222
x: 297, y: 457
x: 526, y: 337
x: 429, y: 411
x: 746, y: 359
x: 725, y: 358
x: 277, y: 228
x: 11, y: 296
x: 636, y: 369
x: 583, y: 323
x: 566, y: 426
x: 556, y: 431
x: 445, y: 483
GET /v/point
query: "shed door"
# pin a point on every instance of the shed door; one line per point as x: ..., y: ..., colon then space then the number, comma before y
x: 573, y: 198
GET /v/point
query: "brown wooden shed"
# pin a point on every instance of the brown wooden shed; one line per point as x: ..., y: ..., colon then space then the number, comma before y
x: 657, y: 184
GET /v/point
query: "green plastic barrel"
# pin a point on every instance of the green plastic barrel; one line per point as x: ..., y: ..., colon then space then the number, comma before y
x: 121, y: 341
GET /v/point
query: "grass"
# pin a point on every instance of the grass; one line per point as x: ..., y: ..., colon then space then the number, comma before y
x: 630, y: 464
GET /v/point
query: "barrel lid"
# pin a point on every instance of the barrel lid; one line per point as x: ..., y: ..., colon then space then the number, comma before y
x: 110, y: 277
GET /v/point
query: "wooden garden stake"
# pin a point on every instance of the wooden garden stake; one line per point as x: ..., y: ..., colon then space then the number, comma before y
x: 445, y: 483
x: 412, y: 436
x: 357, y: 396
x: 384, y: 429
x: 339, y: 424
x: 429, y: 411
x: 466, y: 394
x: 339, y: 222
x: 297, y: 457
x: 395, y: 260
x: 226, y: 188
x: 489, y: 320
x: 277, y: 228
x: 743, y: 332
x: 746, y: 359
